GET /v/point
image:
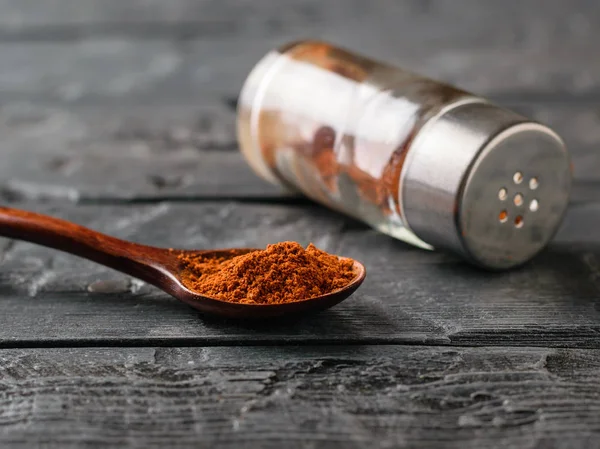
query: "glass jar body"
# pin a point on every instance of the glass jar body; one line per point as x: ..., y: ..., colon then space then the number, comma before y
x: 338, y: 127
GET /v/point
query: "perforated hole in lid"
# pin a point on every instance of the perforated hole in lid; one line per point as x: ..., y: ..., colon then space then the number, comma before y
x: 518, y: 177
x: 534, y: 205
x: 519, y: 222
x: 518, y: 200
x: 533, y: 183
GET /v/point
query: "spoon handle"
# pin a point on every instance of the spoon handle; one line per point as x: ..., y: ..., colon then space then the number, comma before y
x: 140, y: 261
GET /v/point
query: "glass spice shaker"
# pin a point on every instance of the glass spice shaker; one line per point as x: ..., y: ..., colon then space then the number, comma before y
x: 419, y: 160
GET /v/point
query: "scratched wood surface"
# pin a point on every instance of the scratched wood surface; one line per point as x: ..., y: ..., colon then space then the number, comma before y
x: 410, y: 295
x: 196, y: 50
x: 318, y: 397
x: 120, y: 115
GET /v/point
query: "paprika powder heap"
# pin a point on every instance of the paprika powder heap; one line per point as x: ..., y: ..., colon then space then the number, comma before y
x: 283, y: 272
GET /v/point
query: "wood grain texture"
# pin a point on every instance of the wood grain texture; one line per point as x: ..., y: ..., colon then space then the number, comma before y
x: 70, y: 51
x: 124, y: 153
x: 133, y: 101
x: 28, y: 14
x: 317, y: 397
x: 89, y: 153
x: 410, y: 296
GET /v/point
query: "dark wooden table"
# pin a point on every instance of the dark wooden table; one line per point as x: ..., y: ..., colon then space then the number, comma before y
x: 119, y: 115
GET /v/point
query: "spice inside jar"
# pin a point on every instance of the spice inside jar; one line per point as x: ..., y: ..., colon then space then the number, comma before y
x: 283, y: 272
x: 337, y: 126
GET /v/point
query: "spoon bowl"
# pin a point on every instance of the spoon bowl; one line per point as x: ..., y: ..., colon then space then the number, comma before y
x: 160, y: 267
x: 221, y: 307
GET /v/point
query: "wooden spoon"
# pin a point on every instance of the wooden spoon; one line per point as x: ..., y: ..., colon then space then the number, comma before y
x: 157, y: 266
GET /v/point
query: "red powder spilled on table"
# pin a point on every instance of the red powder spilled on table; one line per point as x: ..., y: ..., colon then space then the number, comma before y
x: 283, y: 272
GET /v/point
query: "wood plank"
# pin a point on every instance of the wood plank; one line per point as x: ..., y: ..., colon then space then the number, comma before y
x: 72, y: 50
x: 21, y: 16
x: 410, y: 296
x: 28, y: 14
x: 162, y: 71
x: 91, y: 153
x: 270, y: 397
x: 113, y: 152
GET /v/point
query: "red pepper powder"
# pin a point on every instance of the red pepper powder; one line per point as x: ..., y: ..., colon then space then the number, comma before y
x: 283, y: 272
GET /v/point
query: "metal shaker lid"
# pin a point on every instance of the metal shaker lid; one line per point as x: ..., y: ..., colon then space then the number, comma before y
x: 487, y: 183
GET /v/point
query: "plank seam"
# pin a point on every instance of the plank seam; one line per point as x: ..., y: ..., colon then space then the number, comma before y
x: 187, y: 343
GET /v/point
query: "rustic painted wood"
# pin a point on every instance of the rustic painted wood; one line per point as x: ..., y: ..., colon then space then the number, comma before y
x: 27, y: 14
x: 162, y: 71
x: 298, y: 397
x: 410, y: 295
x: 80, y: 51
x: 110, y: 101
x: 124, y: 153
x: 171, y: 152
